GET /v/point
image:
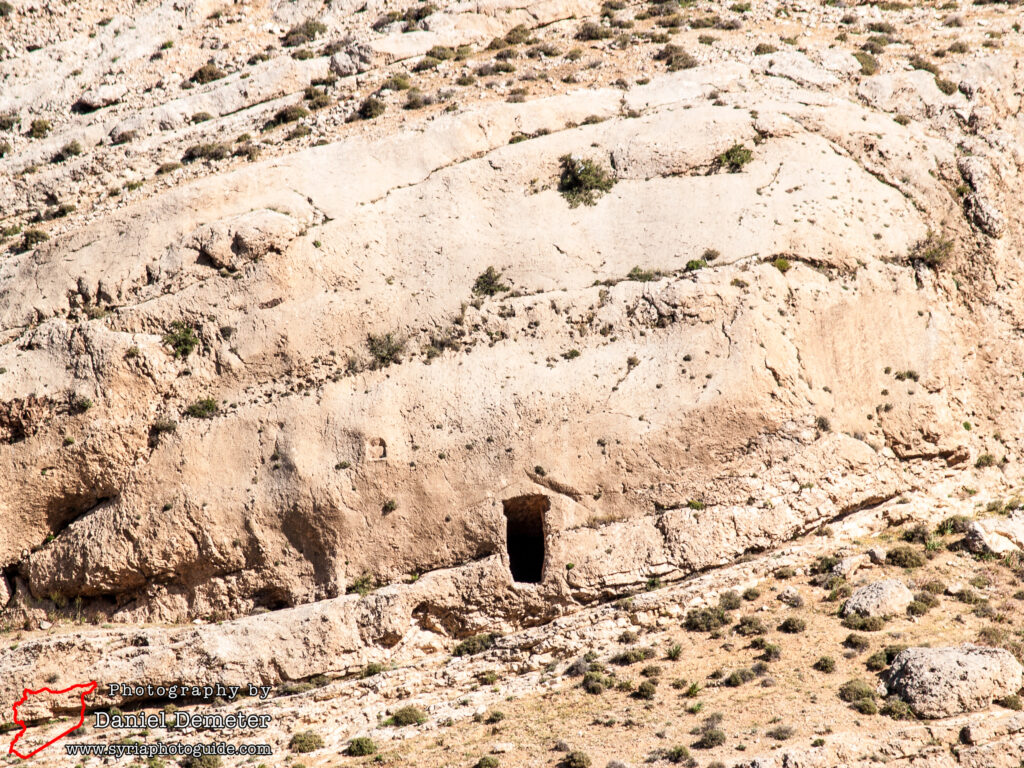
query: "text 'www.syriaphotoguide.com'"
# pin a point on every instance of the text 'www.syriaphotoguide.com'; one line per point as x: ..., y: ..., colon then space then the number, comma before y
x: 220, y: 748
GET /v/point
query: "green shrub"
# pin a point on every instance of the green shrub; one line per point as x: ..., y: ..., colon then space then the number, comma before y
x: 206, y: 408
x: 646, y: 690
x: 385, y: 349
x: 865, y: 706
x: 955, y: 524
x: 782, y: 264
x: 596, y: 682
x: 577, y: 759
x: 632, y: 656
x: 1013, y: 701
x: 642, y: 275
x: 825, y: 664
x: 32, y: 238
x: 181, y: 339
x: 933, y: 251
x: 738, y: 677
x: 857, y: 642
x: 474, y: 645
x: 582, y: 181
x: 780, y: 732
x: 371, y: 108
x: 705, y: 619
x: 209, y: 151
x: 207, y: 74
x: 868, y: 63
x: 864, y: 623
x: 489, y: 283
x: 674, y: 652
x: 285, y: 115
x: 764, y: 48
x: 905, y: 557
x: 751, y: 593
x: 710, y: 738
x: 398, y: 82
x: 675, y: 58
x: 407, y: 715
x: 677, y: 754
x: 793, y: 625
x: 897, y: 709
x: 749, y: 626
x: 306, y: 741
x: 856, y: 690
x: 876, y: 661
x: 39, y: 128
x: 487, y: 761
x: 362, y: 585
x: 361, y: 746
x: 591, y: 30
x: 167, y: 168
x: 729, y: 601
x: 303, y: 33
x: 734, y: 158
x: 69, y: 150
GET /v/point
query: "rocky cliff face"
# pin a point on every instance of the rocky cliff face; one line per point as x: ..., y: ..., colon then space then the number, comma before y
x: 271, y: 341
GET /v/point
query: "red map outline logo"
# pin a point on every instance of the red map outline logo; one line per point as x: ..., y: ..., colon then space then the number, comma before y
x: 86, y: 688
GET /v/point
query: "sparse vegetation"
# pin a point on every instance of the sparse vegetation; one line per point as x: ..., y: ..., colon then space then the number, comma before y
x: 205, y: 408
x: 181, y: 339
x: 207, y: 74
x: 407, y: 715
x: 474, y: 645
x: 361, y: 746
x: 582, y: 181
x: 734, y: 158
x: 489, y: 283
x: 305, y: 32
x: 306, y: 741
x: 385, y: 349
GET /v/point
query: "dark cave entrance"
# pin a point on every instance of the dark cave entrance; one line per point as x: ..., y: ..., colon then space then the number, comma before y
x: 524, y: 518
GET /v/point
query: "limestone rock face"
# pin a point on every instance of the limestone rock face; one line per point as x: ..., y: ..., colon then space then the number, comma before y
x: 249, y: 236
x: 101, y: 96
x: 940, y: 682
x: 353, y: 58
x: 883, y: 598
x: 996, y: 536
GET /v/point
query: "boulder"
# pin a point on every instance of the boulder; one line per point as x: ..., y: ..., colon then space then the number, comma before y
x: 252, y: 235
x: 883, y: 598
x: 791, y: 597
x: 996, y: 536
x: 795, y: 66
x: 940, y: 682
x: 5, y: 592
x: 352, y: 59
x: 848, y: 565
x: 99, y: 97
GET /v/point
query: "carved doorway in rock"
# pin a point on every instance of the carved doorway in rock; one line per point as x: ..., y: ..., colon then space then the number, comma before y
x: 524, y: 521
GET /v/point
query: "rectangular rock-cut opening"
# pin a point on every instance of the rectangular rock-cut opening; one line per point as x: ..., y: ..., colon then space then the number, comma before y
x: 524, y: 517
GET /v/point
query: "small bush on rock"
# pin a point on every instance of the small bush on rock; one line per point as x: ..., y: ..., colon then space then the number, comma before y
x: 582, y: 181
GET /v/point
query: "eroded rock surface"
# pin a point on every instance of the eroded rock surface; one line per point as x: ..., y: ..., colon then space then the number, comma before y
x: 882, y: 598
x: 939, y: 682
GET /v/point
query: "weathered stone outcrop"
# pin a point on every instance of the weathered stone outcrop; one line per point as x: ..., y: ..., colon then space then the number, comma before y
x: 940, y: 682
